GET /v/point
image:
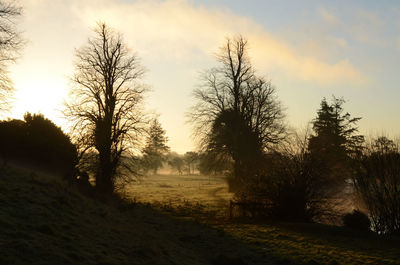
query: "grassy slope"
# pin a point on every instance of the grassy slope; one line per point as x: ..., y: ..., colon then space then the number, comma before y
x: 44, y: 222
x: 316, y: 244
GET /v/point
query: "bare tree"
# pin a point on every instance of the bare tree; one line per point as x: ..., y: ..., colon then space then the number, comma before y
x: 106, y: 104
x: 377, y: 183
x: 235, y: 105
x: 10, y: 44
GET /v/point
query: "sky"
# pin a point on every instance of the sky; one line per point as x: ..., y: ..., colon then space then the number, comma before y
x: 308, y: 49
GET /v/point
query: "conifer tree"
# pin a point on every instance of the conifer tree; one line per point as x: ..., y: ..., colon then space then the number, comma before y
x: 335, y: 140
x: 156, y: 147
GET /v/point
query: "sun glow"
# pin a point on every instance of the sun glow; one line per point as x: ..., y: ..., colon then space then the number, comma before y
x: 40, y: 93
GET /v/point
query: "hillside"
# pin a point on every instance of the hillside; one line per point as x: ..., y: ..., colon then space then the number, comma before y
x: 42, y: 221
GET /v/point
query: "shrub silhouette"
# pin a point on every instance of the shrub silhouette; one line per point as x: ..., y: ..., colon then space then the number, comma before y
x: 37, y: 141
x: 377, y: 182
x: 357, y: 220
x: 290, y: 187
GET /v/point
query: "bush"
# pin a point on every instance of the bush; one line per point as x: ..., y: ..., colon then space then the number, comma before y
x: 377, y: 182
x: 290, y: 187
x: 357, y: 220
x: 37, y: 141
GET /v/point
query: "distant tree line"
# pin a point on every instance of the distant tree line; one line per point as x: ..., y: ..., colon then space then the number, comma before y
x: 187, y: 163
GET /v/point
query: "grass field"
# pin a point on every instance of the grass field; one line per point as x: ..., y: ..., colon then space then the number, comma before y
x: 294, y: 243
x: 177, y: 190
x: 43, y: 221
x: 288, y: 243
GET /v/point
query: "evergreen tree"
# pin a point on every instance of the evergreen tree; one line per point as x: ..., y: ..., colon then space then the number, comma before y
x: 335, y: 140
x: 156, y: 147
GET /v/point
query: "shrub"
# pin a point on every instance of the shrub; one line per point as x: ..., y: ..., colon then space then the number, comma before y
x: 357, y: 220
x: 377, y: 182
x: 290, y: 187
x: 293, y: 185
x: 37, y: 141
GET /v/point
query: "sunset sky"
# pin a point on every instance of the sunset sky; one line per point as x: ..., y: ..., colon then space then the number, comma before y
x: 308, y: 49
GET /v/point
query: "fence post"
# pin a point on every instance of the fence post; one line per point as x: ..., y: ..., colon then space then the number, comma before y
x: 230, y: 209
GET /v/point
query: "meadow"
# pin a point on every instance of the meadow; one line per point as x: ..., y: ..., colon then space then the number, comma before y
x: 199, y: 197
x: 171, y: 222
x: 209, y: 192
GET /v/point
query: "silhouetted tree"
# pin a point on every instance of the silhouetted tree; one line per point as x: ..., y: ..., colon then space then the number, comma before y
x: 384, y: 145
x: 156, y: 147
x: 290, y: 187
x: 232, y: 139
x: 106, y: 104
x: 335, y: 140
x: 10, y: 43
x: 176, y: 162
x: 214, y: 163
x: 304, y: 178
x: 377, y: 182
x: 235, y: 102
x: 190, y: 159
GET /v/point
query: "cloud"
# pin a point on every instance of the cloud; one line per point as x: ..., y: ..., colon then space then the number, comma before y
x: 339, y: 42
x: 304, y: 68
x: 362, y: 26
x: 327, y: 16
x: 369, y: 18
x: 367, y: 28
x: 180, y: 31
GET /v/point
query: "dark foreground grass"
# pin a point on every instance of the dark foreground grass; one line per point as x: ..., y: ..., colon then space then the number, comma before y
x: 316, y: 244
x: 42, y: 221
x: 302, y: 243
